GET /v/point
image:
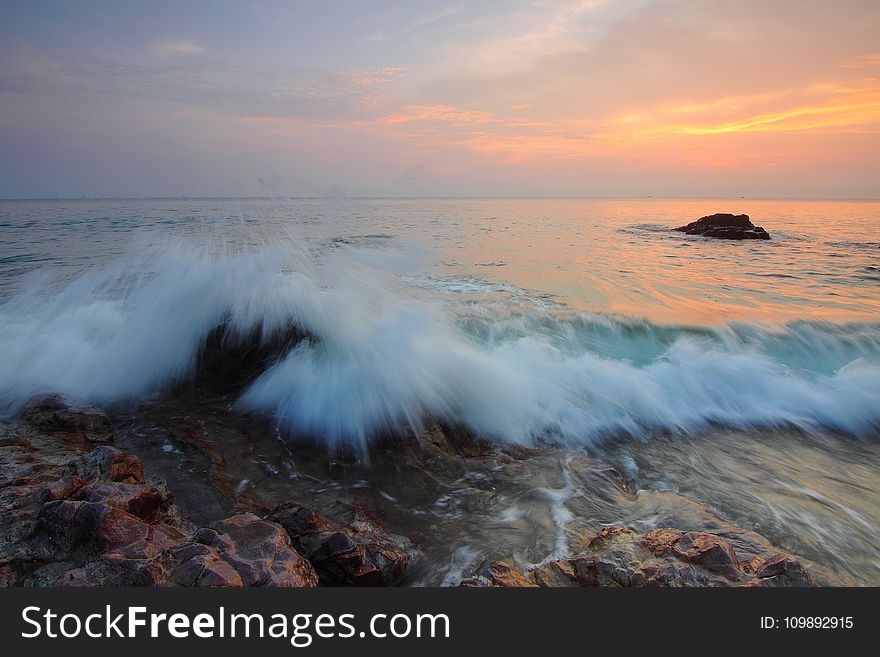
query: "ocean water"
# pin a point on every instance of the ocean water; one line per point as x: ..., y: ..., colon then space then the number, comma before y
x: 564, y: 320
x: 744, y: 374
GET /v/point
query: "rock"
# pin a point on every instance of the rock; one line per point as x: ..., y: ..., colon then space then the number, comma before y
x: 496, y: 574
x: 619, y: 556
x: 107, y: 463
x: 701, y: 548
x: 259, y: 551
x: 80, y: 530
x: 114, y: 548
x: 229, y: 362
x: 38, y: 470
x: 363, y: 555
x: 725, y: 226
x: 779, y: 570
x: 52, y: 415
x: 142, y: 501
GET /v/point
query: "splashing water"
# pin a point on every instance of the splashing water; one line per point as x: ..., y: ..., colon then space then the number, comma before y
x: 385, y: 350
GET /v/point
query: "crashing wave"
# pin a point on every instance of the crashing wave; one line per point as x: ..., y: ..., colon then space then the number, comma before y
x: 382, y: 354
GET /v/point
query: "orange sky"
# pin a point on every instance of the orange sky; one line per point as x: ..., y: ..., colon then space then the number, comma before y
x: 586, y: 97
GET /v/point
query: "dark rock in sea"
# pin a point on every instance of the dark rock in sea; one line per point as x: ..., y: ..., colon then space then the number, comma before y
x: 357, y: 555
x: 725, y: 226
x: 229, y: 362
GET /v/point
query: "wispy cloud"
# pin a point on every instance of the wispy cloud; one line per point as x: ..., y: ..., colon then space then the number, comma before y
x: 176, y: 48
x: 437, y: 16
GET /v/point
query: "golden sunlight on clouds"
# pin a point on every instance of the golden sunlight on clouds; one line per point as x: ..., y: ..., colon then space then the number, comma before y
x: 523, y: 136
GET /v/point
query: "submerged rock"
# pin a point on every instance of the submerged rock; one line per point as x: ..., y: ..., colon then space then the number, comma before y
x: 725, y: 226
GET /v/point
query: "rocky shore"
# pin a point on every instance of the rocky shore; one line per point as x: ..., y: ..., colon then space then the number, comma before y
x: 195, y: 495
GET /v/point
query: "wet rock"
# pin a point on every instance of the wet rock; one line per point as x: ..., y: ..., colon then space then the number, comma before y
x: 496, y: 574
x: 80, y: 530
x: 52, y: 415
x: 259, y: 551
x: 619, y: 556
x: 701, y: 548
x: 121, y: 550
x: 146, y: 502
x: 725, y: 226
x: 228, y: 361
x: 108, y: 464
x: 37, y: 469
x: 201, y: 565
x: 359, y: 555
x: 779, y: 570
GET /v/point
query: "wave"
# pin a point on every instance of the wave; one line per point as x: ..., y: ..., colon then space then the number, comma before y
x: 383, y: 352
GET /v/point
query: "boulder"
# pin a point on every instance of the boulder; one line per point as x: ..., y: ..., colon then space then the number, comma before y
x: 258, y: 550
x: 52, y: 415
x: 778, y: 570
x: 114, y: 548
x: 357, y: 555
x: 725, y: 226
x: 143, y: 501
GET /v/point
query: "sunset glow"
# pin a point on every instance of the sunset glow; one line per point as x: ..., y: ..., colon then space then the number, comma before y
x: 572, y: 98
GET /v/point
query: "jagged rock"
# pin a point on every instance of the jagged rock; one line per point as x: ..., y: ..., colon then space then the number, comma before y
x: 52, y: 415
x: 80, y: 529
x: 259, y: 551
x: 125, y: 551
x: 778, y: 570
x: 701, y: 548
x: 619, y: 556
x: 496, y: 574
x: 77, y: 515
x: 201, y: 565
x: 363, y: 555
x: 143, y: 501
x: 108, y: 464
x: 725, y: 226
x: 38, y: 469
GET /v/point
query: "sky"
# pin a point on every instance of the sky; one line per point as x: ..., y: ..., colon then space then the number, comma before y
x: 697, y: 98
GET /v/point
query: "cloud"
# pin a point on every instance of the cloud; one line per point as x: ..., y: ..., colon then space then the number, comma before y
x: 176, y: 48
x: 438, y: 16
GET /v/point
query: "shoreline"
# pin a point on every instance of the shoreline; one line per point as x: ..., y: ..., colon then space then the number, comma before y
x: 181, y: 492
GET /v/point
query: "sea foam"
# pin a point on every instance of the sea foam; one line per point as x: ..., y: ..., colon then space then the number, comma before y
x: 384, y: 353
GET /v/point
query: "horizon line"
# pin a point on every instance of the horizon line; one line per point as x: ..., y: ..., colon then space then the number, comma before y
x: 285, y: 197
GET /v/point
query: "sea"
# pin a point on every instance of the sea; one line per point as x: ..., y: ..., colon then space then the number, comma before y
x: 742, y: 374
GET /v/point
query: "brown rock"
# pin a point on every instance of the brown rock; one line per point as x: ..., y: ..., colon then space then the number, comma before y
x: 143, y: 501
x: 363, y: 555
x: 496, y: 574
x: 259, y: 551
x: 52, y: 415
x: 710, y: 552
x: 107, y: 463
x: 779, y: 570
